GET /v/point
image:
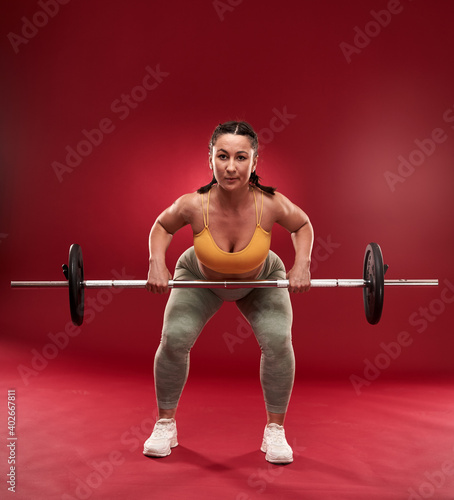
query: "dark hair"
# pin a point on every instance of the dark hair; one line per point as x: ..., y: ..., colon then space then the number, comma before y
x: 237, y: 128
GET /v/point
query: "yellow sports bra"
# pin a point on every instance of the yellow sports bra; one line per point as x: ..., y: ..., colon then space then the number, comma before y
x: 248, y: 259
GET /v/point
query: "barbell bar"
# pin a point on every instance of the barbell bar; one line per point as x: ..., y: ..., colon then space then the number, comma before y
x: 372, y: 283
x: 315, y: 283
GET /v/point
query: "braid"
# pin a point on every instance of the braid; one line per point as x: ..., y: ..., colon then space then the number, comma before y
x: 254, y: 179
x: 205, y: 189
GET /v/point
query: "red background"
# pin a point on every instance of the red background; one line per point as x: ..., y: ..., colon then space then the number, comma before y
x: 350, y: 122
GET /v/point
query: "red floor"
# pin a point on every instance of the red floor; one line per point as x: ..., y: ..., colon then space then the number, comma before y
x: 80, y: 429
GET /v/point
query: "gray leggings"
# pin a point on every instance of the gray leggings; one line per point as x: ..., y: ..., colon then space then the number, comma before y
x: 268, y: 311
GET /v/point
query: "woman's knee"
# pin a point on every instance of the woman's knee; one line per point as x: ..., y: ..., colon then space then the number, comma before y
x: 178, y: 336
x: 183, y: 322
x: 275, y: 342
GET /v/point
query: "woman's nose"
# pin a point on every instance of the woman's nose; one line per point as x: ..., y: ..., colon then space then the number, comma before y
x: 230, y: 165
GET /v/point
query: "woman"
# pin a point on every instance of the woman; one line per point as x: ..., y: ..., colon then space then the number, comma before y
x: 231, y: 219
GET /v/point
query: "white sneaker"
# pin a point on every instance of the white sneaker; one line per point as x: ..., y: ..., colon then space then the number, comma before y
x: 163, y: 437
x: 275, y: 445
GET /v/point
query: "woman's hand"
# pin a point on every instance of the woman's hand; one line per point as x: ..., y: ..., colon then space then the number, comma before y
x: 299, y: 280
x: 158, y: 278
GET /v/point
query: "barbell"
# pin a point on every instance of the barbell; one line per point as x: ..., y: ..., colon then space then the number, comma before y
x: 372, y: 283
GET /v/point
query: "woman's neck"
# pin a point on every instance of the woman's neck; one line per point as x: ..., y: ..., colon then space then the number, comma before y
x: 234, y: 199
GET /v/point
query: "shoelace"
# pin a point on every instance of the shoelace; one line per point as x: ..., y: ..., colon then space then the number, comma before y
x: 276, y: 436
x: 161, y: 430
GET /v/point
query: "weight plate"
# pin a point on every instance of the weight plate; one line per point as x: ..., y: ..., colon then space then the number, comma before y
x: 374, y: 274
x: 75, y: 279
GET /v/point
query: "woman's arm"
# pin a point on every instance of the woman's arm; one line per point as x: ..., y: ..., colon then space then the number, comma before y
x: 165, y: 226
x: 300, y: 274
x: 297, y: 222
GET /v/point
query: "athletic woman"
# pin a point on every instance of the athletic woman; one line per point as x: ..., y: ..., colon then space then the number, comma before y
x: 231, y: 220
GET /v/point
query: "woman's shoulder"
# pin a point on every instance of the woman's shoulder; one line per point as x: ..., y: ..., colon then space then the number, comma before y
x: 187, y: 204
x: 278, y: 207
x: 275, y: 201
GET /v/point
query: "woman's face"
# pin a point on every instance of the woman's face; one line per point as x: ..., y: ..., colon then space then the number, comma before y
x: 232, y: 161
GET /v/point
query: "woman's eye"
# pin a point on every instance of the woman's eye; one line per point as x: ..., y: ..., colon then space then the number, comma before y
x: 241, y: 158
x: 222, y: 157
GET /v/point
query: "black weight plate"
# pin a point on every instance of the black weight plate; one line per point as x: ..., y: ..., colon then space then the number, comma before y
x: 373, y: 272
x: 75, y: 279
